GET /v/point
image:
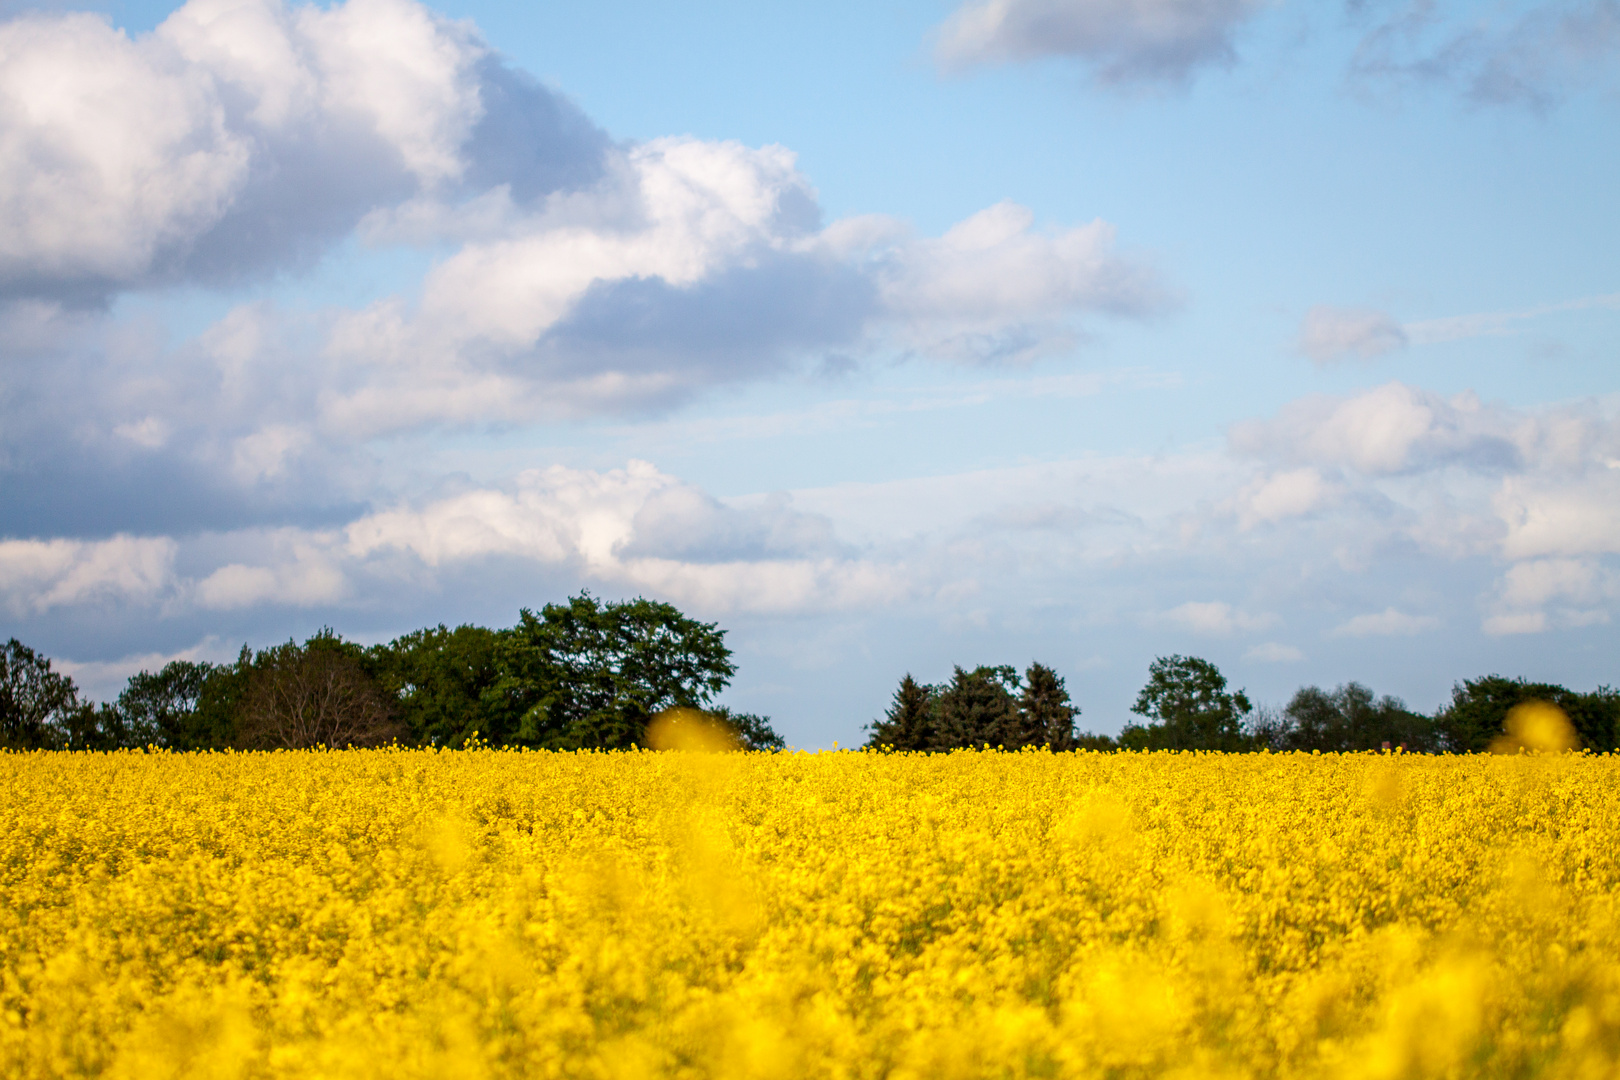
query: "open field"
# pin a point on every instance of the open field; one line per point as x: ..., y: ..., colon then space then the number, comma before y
x: 479, y: 913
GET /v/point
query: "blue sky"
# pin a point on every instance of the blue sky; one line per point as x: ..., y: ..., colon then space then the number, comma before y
x: 890, y: 337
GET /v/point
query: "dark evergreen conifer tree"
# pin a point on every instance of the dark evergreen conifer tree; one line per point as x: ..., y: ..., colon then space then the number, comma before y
x: 909, y: 723
x: 977, y: 708
x: 1045, y: 713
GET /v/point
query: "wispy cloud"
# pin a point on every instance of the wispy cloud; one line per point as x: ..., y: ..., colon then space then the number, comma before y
x: 854, y: 412
x: 1328, y: 333
x: 1273, y: 652
x: 1387, y: 623
x: 1532, y: 55
x: 1331, y: 333
x: 1217, y: 618
x: 1497, y: 323
x: 1123, y: 42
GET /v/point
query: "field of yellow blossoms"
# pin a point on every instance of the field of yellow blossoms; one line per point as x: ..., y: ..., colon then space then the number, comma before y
x: 478, y: 913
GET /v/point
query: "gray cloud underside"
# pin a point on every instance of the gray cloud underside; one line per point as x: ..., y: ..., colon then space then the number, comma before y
x: 1124, y: 42
x: 1339, y: 487
x: 1531, y: 54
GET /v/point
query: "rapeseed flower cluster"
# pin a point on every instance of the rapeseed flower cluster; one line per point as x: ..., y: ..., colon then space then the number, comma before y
x: 479, y: 913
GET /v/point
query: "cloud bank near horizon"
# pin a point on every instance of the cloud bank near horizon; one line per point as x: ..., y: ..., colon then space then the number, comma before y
x: 1338, y: 488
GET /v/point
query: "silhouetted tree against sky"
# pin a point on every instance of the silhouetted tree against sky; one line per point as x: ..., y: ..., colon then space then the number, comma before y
x: 36, y: 701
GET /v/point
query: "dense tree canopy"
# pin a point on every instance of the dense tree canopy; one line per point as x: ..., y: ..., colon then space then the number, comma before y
x: 162, y: 708
x: 37, y: 704
x: 445, y: 685
x: 1349, y: 718
x: 579, y: 674
x: 987, y: 706
x: 1187, y: 707
x: 315, y: 694
x: 1478, y: 710
x: 592, y: 674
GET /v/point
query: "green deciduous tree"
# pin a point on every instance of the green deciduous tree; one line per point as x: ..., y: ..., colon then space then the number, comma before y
x: 1350, y: 718
x: 161, y: 708
x: 1187, y: 707
x: 589, y: 674
x: 446, y: 685
x: 753, y: 732
x: 316, y: 694
x: 1478, y: 712
x: 37, y: 704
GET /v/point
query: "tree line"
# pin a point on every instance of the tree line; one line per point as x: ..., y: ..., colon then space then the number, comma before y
x: 1186, y: 704
x: 579, y: 674
x: 588, y: 674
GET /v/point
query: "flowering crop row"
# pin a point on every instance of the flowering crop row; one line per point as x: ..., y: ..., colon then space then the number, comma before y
x: 491, y: 914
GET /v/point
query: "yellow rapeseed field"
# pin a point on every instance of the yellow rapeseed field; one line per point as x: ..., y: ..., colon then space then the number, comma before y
x: 406, y: 913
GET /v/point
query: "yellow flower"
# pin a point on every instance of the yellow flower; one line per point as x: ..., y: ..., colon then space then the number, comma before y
x: 481, y: 913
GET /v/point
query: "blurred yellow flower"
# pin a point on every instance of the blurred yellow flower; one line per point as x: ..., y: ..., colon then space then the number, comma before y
x: 1536, y: 725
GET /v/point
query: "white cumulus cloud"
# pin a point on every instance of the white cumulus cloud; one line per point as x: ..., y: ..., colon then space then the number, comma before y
x: 240, y: 135
x: 1577, y: 515
x: 640, y: 527
x: 1287, y: 494
x: 1534, y: 583
x: 300, y: 569
x: 1389, y: 429
x: 572, y: 275
x: 37, y: 575
x: 993, y: 287
x: 694, y: 263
